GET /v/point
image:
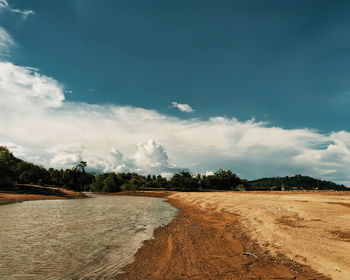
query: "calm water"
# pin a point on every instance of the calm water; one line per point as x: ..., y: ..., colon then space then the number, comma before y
x: 76, y: 239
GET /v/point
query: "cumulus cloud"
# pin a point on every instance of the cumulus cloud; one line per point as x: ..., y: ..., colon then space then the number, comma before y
x: 66, y: 156
x: 6, y: 42
x: 149, y: 158
x: 35, y: 115
x: 182, y: 107
x: 152, y: 157
x: 332, y: 161
x: 6, y: 6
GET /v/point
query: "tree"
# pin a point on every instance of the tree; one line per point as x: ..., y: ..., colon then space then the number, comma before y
x: 80, y: 166
x: 183, y: 181
x: 29, y: 173
x: 297, y: 182
x: 111, y: 183
x: 7, y: 167
x: 56, y: 177
x: 98, y: 184
x: 161, y: 182
x: 76, y: 178
x: 226, y: 179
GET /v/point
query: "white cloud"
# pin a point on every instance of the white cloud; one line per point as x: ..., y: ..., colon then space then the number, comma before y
x: 151, y: 155
x: 35, y: 116
x: 25, y: 86
x: 6, y: 6
x: 332, y: 161
x: 182, y: 107
x: 114, y: 161
x: 6, y: 42
x: 66, y: 156
x: 152, y: 158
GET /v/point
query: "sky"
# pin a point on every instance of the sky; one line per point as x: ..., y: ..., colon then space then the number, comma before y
x: 258, y: 87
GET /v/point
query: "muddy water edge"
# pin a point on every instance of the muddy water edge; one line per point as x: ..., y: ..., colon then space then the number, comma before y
x: 76, y: 239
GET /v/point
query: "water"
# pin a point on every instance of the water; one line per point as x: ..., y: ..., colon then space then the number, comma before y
x: 76, y: 239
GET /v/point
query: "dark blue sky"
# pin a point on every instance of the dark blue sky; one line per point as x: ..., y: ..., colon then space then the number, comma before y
x: 286, y: 62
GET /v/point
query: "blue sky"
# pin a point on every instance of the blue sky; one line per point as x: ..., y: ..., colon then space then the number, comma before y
x: 283, y: 63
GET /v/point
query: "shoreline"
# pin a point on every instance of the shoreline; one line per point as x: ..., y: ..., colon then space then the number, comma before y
x: 40, y: 193
x: 201, y: 244
x: 224, y: 236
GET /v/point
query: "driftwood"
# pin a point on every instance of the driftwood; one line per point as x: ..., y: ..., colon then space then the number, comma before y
x: 250, y: 254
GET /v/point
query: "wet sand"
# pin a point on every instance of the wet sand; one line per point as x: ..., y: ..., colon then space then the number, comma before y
x: 205, y: 242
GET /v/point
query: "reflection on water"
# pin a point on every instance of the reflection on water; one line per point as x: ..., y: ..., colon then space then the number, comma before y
x: 76, y: 239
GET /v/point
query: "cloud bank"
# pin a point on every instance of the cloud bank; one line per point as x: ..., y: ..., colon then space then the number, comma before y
x: 38, y: 124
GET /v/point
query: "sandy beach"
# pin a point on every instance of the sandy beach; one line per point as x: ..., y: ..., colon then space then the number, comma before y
x: 241, y: 235
x: 257, y: 235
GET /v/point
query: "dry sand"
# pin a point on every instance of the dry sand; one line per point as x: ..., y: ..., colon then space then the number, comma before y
x: 210, y: 240
x: 311, y: 228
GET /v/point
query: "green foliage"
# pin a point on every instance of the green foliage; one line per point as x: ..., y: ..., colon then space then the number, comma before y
x: 28, y: 173
x: 226, y: 180
x: 80, y: 167
x: 297, y: 182
x: 220, y: 180
x: 128, y: 186
x: 112, y: 183
x: 13, y: 170
x: 107, y: 182
x: 184, y: 181
x: 155, y: 182
x: 7, y: 167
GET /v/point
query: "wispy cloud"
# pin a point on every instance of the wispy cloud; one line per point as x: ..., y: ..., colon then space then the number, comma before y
x: 182, y: 107
x: 341, y: 100
x: 6, y: 6
x: 6, y: 42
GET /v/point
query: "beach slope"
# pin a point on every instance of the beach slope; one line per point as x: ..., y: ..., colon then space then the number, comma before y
x: 223, y: 236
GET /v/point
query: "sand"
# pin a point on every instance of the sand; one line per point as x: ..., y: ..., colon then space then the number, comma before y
x: 39, y: 193
x: 310, y: 228
x: 244, y: 236
x: 248, y: 235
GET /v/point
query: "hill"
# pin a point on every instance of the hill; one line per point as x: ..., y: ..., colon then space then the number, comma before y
x: 297, y: 182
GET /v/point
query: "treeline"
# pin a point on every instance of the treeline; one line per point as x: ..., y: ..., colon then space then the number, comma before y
x: 16, y: 171
x: 297, y: 182
x: 182, y: 181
